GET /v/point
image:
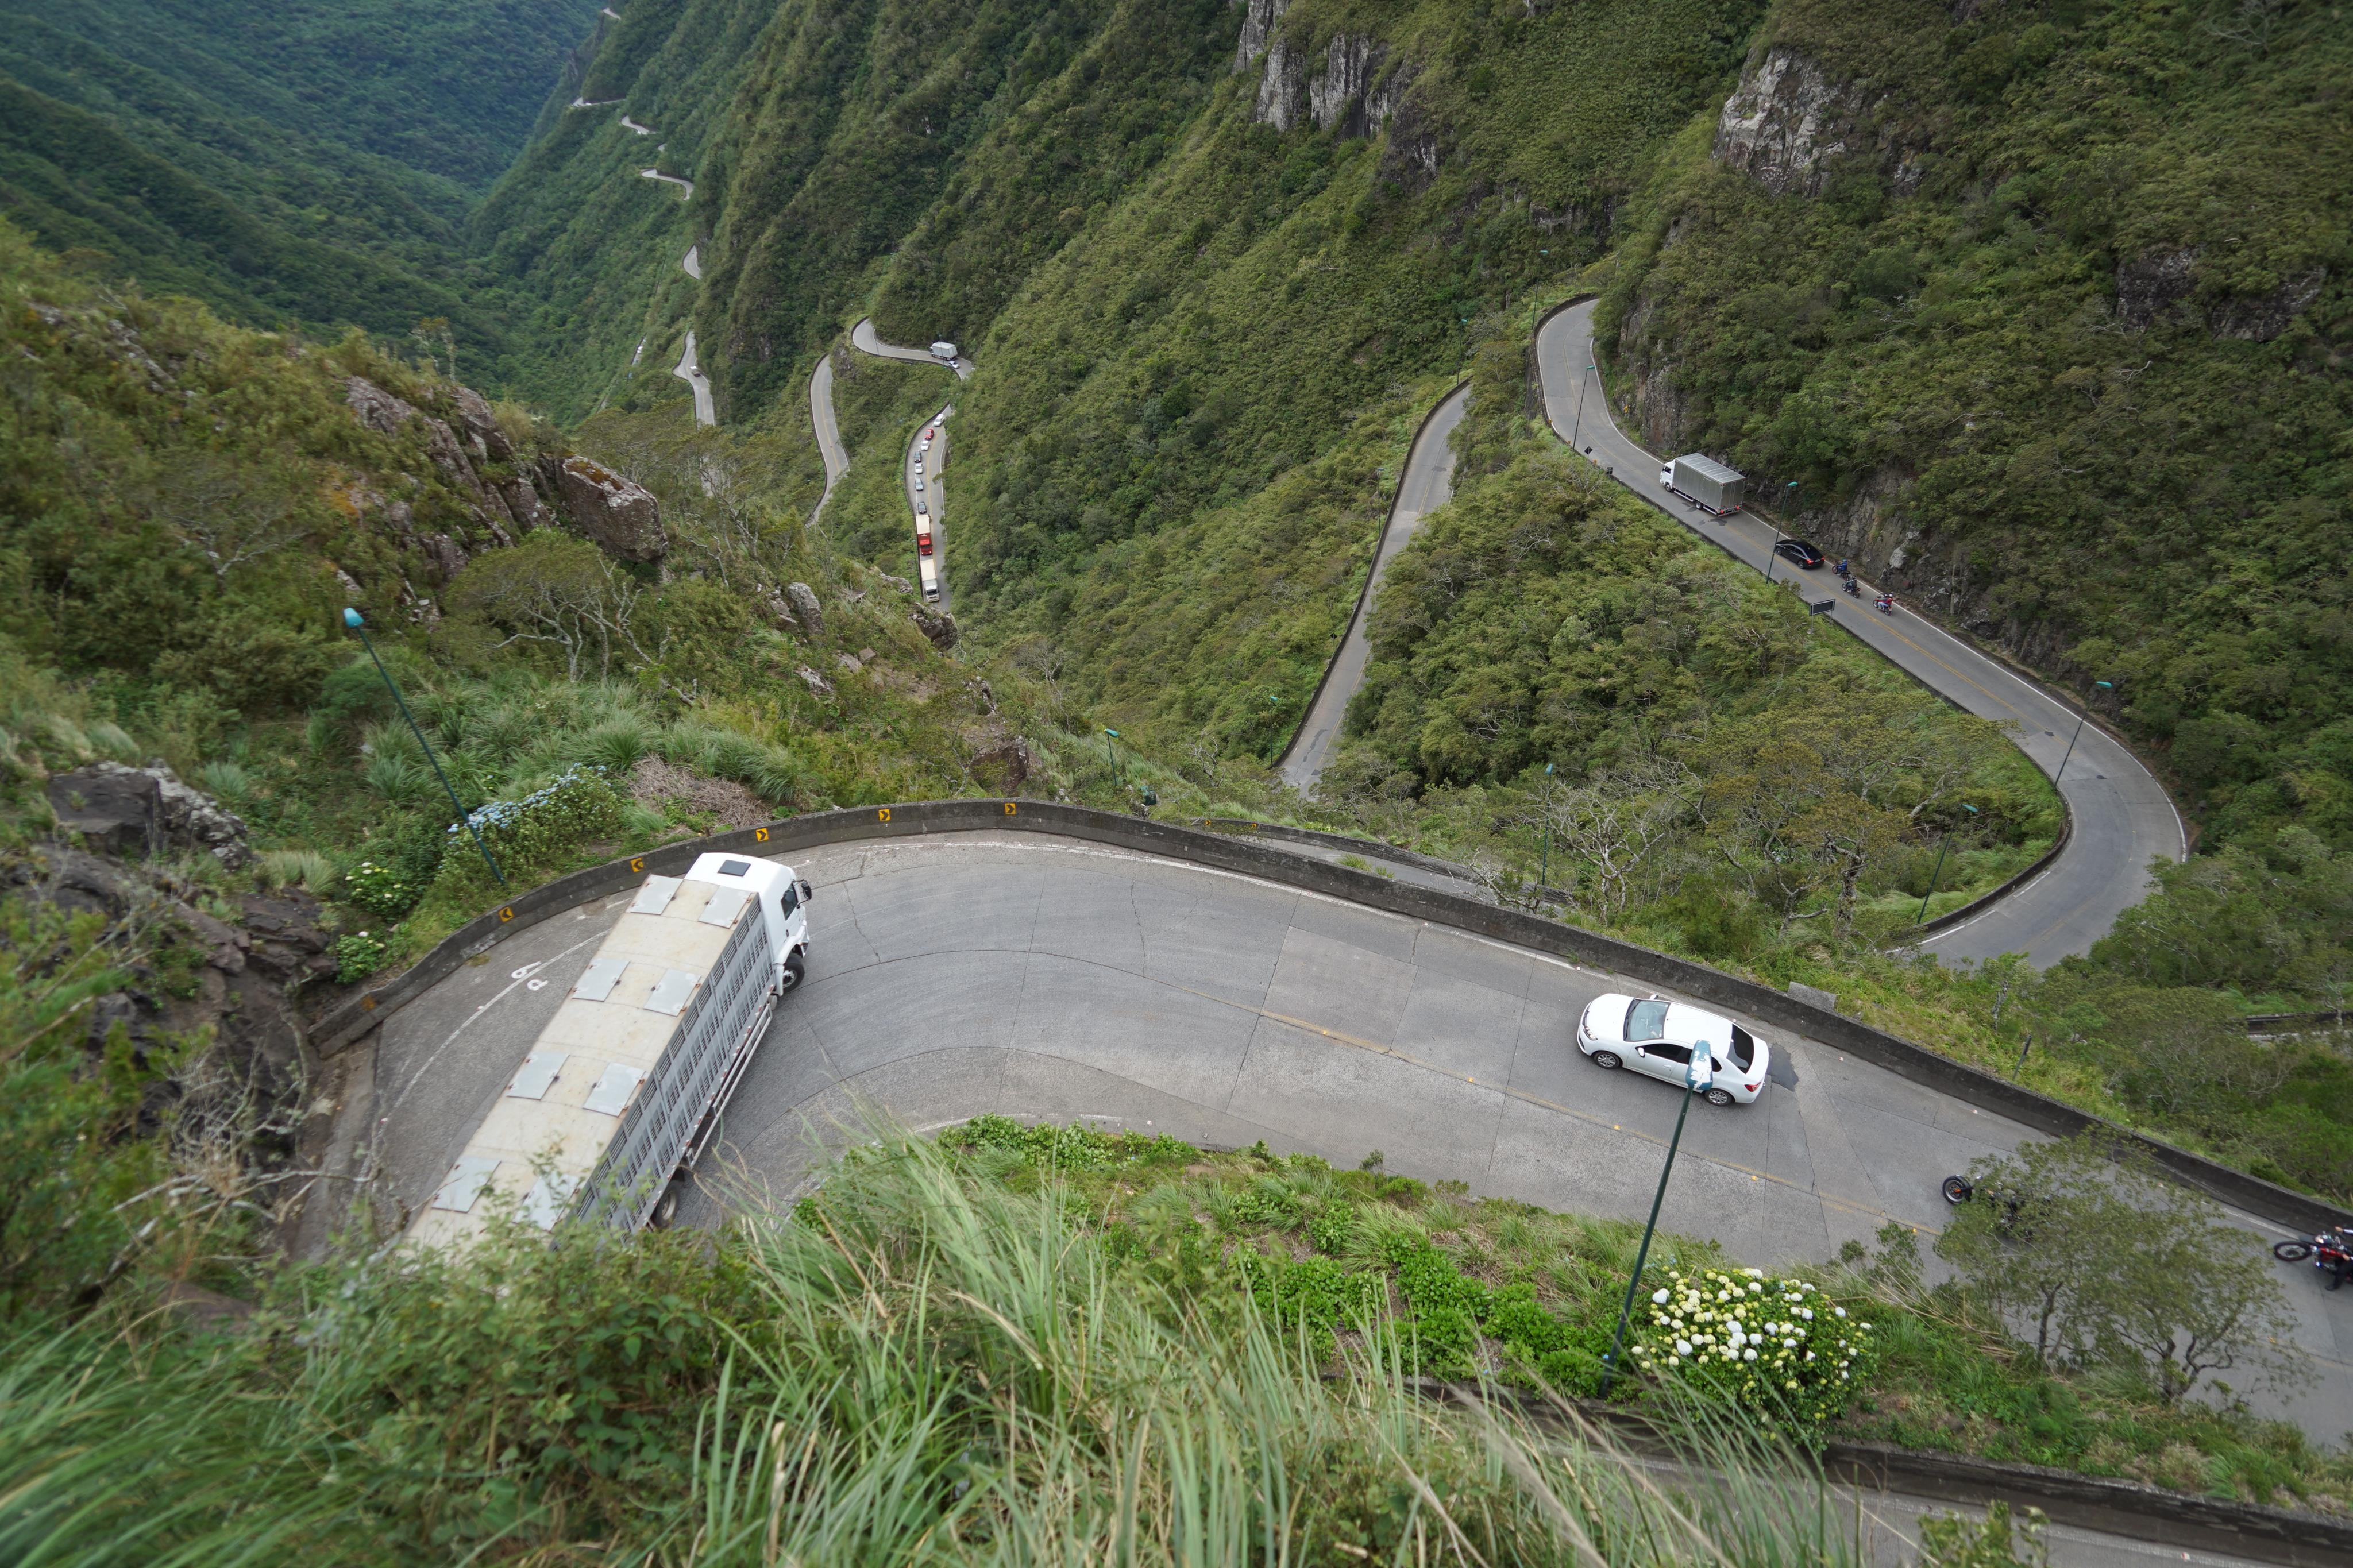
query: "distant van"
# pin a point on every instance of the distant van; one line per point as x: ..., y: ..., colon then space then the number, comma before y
x: 943, y: 350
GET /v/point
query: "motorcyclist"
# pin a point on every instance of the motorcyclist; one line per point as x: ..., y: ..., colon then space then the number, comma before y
x: 1854, y: 589
x: 1842, y: 568
x: 1885, y: 603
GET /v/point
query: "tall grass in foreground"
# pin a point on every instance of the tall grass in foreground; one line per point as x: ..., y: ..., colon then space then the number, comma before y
x: 922, y: 1366
x: 960, y: 1373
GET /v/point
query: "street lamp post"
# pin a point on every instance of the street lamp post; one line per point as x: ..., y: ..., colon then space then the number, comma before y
x: 1698, y: 1076
x: 351, y: 620
x: 1111, y: 753
x: 1942, y: 844
x: 2080, y: 719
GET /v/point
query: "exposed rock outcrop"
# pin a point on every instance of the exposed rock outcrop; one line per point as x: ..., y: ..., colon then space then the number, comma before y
x: 135, y: 812
x: 1004, y: 769
x: 612, y: 510
x: 2151, y: 287
x: 939, y: 626
x: 1788, y: 125
x: 1344, y: 97
x: 2158, y: 288
x: 1259, y: 18
x: 2265, y: 317
x: 804, y: 600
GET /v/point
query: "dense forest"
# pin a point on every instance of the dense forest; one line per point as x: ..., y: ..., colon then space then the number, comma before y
x: 315, y: 164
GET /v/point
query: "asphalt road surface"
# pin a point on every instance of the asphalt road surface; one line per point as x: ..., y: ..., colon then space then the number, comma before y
x: 828, y: 433
x: 1426, y: 485
x: 689, y: 371
x: 837, y: 457
x: 1045, y: 977
x: 2123, y: 819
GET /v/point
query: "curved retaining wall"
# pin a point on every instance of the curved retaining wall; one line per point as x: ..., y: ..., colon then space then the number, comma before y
x: 352, y: 1020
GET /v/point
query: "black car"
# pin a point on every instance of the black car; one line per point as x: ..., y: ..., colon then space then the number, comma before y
x: 1798, y: 552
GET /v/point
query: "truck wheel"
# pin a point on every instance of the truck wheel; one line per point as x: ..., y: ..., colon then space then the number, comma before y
x: 789, y: 978
x: 666, y: 1211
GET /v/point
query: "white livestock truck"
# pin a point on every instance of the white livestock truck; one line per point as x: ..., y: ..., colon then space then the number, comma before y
x: 624, y: 1088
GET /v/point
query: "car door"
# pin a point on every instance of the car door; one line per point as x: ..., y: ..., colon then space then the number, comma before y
x: 1661, y: 1058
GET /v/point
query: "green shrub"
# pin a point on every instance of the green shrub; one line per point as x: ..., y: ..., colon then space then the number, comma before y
x: 381, y: 890
x: 359, y: 955
x: 533, y: 835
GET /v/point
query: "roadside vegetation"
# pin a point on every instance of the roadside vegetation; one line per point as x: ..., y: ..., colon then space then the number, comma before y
x: 1023, y: 1340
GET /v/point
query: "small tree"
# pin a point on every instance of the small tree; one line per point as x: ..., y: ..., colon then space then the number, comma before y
x: 554, y: 589
x: 2107, y: 1260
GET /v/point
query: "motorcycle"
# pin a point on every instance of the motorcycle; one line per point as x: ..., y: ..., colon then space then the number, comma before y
x: 1885, y: 604
x: 1958, y: 1190
x: 1854, y: 589
x: 2331, y: 1252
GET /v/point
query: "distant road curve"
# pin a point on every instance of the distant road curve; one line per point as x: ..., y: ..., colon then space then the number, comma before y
x: 1427, y: 484
x: 2123, y: 817
x: 862, y: 338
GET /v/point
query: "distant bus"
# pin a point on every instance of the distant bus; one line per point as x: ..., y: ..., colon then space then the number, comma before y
x: 944, y: 350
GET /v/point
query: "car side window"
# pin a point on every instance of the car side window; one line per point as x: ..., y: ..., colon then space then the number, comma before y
x: 1678, y: 1055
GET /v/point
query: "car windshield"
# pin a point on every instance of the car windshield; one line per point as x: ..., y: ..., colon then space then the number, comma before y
x: 1744, y: 1049
x: 1646, y: 1021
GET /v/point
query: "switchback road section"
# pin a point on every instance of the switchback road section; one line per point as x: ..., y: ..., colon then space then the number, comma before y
x: 2122, y: 819
x: 1426, y: 485
x: 1044, y: 975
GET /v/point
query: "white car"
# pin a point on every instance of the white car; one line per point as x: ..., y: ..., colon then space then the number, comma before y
x: 1667, y: 476
x: 1652, y: 1035
x: 918, y: 465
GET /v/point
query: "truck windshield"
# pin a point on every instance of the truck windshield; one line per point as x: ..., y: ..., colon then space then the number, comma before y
x: 1646, y: 1021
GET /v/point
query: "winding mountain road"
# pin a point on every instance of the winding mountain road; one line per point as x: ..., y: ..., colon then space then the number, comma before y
x: 1427, y: 484
x: 2122, y: 819
x: 1043, y: 976
x: 689, y: 371
x: 828, y: 430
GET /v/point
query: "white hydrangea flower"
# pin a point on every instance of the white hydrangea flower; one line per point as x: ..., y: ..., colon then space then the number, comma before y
x: 1659, y: 1298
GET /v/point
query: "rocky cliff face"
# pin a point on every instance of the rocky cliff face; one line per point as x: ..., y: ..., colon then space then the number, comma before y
x: 1349, y: 93
x: 1788, y: 125
x: 223, y: 980
x: 506, y: 493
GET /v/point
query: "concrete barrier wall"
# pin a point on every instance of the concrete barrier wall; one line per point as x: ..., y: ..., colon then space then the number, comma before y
x: 355, y: 1017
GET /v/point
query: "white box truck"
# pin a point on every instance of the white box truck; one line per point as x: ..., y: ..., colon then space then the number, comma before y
x: 624, y: 1088
x: 1701, y: 479
x: 927, y: 568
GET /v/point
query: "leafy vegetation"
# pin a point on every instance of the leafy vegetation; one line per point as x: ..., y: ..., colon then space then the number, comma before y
x: 1018, y: 1334
x: 284, y: 164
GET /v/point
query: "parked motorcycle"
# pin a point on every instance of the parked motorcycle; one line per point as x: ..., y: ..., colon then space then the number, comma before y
x: 1958, y: 1190
x: 2331, y: 1252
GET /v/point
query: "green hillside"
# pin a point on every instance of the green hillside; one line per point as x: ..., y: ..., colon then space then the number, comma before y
x: 313, y: 165
x: 2063, y: 326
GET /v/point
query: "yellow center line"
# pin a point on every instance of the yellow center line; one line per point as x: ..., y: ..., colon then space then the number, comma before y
x: 1844, y: 1205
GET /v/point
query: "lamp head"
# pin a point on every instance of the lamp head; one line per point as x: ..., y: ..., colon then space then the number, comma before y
x: 1701, y: 1073
x: 351, y: 617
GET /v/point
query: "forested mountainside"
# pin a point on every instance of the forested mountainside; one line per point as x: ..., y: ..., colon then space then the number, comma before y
x: 1215, y: 262
x: 312, y: 164
x: 2045, y: 312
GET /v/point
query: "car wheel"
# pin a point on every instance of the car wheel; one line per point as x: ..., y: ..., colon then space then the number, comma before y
x: 2292, y: 1251
x: 1957, y: 1190
x: 1719, y: 1097
x: 790, y: 976
x: 1606, y: 1059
